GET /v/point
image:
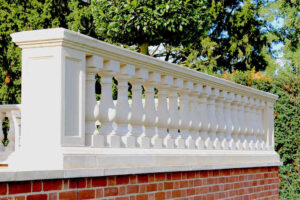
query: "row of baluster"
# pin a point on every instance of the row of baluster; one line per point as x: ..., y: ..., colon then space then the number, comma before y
x: 184, y: 115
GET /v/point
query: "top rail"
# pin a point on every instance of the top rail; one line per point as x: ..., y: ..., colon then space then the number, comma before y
x: 60, y: 36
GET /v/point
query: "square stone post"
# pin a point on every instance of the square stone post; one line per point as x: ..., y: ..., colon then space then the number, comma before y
x: 53, y: 98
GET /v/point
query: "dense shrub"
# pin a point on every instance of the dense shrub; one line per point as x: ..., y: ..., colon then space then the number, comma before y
x: 286, y: 84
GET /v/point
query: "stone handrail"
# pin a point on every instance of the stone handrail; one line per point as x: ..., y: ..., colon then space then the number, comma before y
x: 191, y: 112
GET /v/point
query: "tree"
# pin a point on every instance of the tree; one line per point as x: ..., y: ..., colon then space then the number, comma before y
x: 19, y: 15
x: 223, y: 35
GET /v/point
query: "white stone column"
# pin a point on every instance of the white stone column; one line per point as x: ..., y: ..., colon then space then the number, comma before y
x: 244, y: 124
x: 220, y: 119
x: 137, y: 109
x: 204, y: 141
x: 93, y: 65
x: 248, y: 124
x: 233, y: 144
x: 195, y: 119
x: 228, y: 121
x: 268, y: 121
x: 241, y: 122
x: 163, y: 137
x: 150, y: 110
x: 122, y: 107
x: 254, y: 128
x: 185, y: 119
x: 213, y: 127
x: 259, y: 145
x: 106, y: 110
x: 174, y: 113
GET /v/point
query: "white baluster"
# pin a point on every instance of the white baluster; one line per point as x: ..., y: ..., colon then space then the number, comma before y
x: 2, y: 115
x: 194, y: 112
x: 252, y: 137
x: 174, y: 113
x: 93, y: 64
x: 262, y: 136
x: 220, y: 118
x: 150, y: 110
x: 163, y: 112
x: 204, y: 141
x: 10, y: 133
x: 105, y: 111
x: 137, y: 109
x: 122, y: 107
x: 228, y: 121
x: 185, y: 119
x: 233, y: 144
x: 248, y: 124
x: 241, y: 122
x: 213, y: 127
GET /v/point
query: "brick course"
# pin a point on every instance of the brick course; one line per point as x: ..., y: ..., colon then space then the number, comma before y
x: 234, y: 184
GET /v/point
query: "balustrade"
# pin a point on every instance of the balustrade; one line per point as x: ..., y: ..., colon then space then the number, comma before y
x: 168, y: 106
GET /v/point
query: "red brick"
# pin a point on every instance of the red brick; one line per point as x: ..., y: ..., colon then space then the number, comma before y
x: 176, y: 193
x: 204, y: 174
x: 142, y: 178
x: 132, y: 179
x: 37, y: 197
x: 168, y: 185
x: 81, y: 183
x: 176, y: 176
x: 191, y: 175
x: 19, y: 187
x: 86, y: 194
x: 49, y: 185
x: 99, y: 182
x: 132, y: 189
x: 142, y: 197
x: 160, y: 177
x: 73, y: 183
x: 159, y: 195
x: 151, y: 187
x: 184, y: 184
x: 151, y: 178
x: 3, y: 188
x: 111, y: 191
x: 68, y: 195
x: 120, y: 180
x: 111, y: 180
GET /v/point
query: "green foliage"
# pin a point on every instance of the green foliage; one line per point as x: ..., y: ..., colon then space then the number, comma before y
x: 149, y: 21
x: 204, y: 35
x: 19, y: 15
x: 287, y: 121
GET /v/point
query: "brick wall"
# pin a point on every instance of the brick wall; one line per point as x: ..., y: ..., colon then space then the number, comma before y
x: 252, y: 183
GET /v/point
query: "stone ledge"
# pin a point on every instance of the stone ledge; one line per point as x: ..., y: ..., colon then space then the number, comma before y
x: 108, y: 162
x: 9, y: 175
